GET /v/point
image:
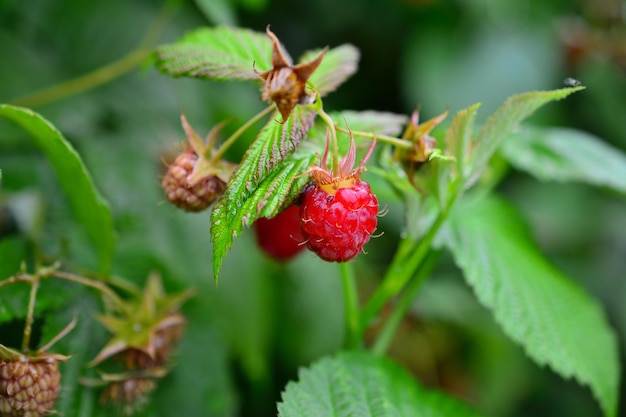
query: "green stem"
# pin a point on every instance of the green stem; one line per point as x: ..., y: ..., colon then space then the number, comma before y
x: 351, y: 302
x: 103, y: 288
x: 157, y: 26
x: 83, y: 83
x: 228, y: 142
x: 388, y: 331
x: 124, y: 285
x: 104, y: 74
x: 30, y: 315
x: 401, y: 143
x: 399, y: 274
x: 333, y: 137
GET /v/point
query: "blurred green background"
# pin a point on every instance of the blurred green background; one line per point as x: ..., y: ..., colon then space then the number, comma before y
x: 247, y: 337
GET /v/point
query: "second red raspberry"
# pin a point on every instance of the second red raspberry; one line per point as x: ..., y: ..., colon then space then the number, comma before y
x: 337, y: 226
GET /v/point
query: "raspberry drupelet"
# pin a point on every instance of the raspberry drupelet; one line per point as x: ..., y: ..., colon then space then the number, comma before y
x: 280, y: 237
x: 338, y: 212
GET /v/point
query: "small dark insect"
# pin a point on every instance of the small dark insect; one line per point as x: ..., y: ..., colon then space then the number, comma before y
x: 572, y: 82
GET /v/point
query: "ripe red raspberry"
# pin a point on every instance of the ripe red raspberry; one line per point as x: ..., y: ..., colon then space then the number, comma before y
x: 337, y: 226
x: 28, y: 389
x: 280, y: 237
x: 338, y: 211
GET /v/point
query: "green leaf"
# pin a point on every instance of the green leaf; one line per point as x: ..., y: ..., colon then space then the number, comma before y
x: 220, y: 53
x: 504, y: 121
x: 567, y: 155
x: 556, y: 322
x: 13, y: 250
x: 337, y: 66
x: 459, y: 135
x: 261, y: 184
x: 90, y: 208
x: 361, y: 384
x: 268, y: 178
x: 227, y: 53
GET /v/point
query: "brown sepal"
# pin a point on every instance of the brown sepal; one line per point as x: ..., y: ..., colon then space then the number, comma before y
x: 285, y: 83
x: 423, y: 143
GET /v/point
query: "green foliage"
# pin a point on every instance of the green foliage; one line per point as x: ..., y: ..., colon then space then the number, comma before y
x: 226, y: 53
x: 12, y: 251
x: 459, y: 136
x: 261, y: 185
x: 271, y: 175
x: 77, y: 399
x: 536, y: 305
x: 90, y: 208
x: 266, y: 319
x: 221, y: 53
x: 553, y: 154
x: 504, y: 121
x: 338, y: 64
x: 361, y: 384
x: 217, y: 11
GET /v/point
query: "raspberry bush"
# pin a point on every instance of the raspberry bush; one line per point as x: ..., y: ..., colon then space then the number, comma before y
x: 375, y: 218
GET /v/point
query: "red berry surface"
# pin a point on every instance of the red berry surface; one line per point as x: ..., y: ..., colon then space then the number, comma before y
x: 337, y: 226
x: 280, y: 237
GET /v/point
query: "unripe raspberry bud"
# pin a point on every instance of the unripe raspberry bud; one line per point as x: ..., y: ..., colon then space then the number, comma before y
x: 28, y: 389
x: 162, y: 341
x: 198, y: 176
x: 190, y: 197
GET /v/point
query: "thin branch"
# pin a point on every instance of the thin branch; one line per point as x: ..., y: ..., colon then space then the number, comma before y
x: 351, y: 305
x: 228, y: 142
x: 30, y: 315
x: 100, y: 286
x: 401, y: 143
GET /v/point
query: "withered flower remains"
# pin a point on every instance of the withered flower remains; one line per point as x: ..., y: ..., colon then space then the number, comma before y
x: 285, y: 83
x: 423, y: 143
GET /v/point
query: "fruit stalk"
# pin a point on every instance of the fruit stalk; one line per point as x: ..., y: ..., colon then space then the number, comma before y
x: 28, y: 326
x: 388, y: 331
x: 400, y: 143
x: 228, y: 142
x: 103, y: 288
x: 351, y: 305
x: 399, y: 273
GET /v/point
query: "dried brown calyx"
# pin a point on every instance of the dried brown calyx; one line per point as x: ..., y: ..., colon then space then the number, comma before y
x: 285, y: 83
x: 423, y: 143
